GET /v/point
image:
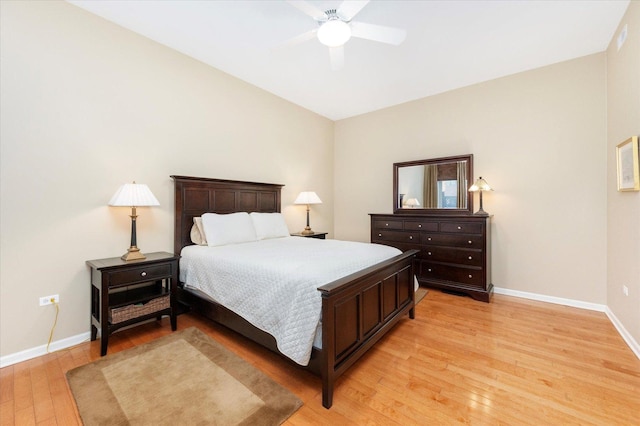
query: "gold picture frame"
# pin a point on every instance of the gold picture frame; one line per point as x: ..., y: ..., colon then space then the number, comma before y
x: 627, y: 159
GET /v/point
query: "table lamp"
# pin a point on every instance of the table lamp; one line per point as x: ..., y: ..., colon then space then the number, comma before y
x: 133, y: 195
x: 480, y: 186
x: 307, y: 197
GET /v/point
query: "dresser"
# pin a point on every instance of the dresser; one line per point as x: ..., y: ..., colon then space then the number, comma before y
x: 455, y: 249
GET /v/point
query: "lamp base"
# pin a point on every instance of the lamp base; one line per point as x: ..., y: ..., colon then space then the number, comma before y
x: 307, y: 231
x: 133, y: 253
x: 481, y: 212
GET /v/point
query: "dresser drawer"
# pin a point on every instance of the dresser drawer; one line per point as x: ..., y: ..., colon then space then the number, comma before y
x: 413, y: 225
x: 451, y: 255
x: 466, y: 276
x: 387, y: 224
x: 461, y: 227
x: 142, y: 274
x: 399, y: 236
x: 472, y: 241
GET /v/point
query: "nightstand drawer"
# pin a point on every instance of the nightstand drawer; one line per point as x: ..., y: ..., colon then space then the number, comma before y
x: 142, y: 274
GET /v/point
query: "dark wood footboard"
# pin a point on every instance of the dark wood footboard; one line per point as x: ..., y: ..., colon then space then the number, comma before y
x: 358, y: 310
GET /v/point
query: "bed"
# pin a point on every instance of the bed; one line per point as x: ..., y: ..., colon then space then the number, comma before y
x: 356, y: 310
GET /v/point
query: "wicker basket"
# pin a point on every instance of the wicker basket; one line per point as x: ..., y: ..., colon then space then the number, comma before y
x: 125, y: 313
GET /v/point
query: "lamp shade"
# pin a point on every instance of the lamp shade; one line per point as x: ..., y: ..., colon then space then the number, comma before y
x: 308, y: 197
x: 480, y: 185
x: 133, y: 195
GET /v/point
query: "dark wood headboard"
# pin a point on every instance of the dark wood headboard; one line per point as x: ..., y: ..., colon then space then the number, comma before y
x: 195, y: 196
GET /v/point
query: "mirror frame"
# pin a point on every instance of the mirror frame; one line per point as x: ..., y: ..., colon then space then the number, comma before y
x: 467, y: 211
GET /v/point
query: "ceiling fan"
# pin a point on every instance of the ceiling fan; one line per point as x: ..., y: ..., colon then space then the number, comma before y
x: 336, y: 27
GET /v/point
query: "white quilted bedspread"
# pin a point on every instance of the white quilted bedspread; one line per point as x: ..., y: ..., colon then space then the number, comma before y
x: 273, y: 283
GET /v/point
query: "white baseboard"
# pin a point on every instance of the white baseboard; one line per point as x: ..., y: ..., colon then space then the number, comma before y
x: 626, y: 336
x: 25, y: 355
x: 551, y: 299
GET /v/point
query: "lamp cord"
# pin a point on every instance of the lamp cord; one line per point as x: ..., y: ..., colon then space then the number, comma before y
x: 54, y: 326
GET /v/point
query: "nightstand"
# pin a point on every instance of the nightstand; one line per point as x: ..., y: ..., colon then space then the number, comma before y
x: 125, y: 293
x: 318, y: 235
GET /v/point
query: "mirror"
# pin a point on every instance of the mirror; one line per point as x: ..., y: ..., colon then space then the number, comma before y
x: 437, y: 185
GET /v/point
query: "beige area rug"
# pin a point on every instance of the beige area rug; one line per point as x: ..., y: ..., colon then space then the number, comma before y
x: 421, y: 292
x: 185, y: 378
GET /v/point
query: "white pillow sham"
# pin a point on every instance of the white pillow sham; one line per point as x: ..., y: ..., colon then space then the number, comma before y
x: 269, y: 225
x: 232, y: 228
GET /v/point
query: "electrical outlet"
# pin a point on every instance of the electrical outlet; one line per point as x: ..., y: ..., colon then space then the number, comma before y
x: 625, y: 290
x: 49, y: 300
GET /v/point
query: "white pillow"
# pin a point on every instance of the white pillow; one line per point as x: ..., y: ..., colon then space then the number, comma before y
x: 197, y: 232
x: 269, y: 225
x: 222, y: 229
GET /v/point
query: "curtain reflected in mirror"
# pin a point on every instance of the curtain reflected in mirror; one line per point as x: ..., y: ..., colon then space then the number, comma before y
x: 433, y: 184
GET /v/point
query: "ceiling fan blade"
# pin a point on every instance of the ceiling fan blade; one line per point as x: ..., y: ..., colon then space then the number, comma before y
x: 308, y: 9
x: 350, y: 8
x: 378, y: 33
x: 300, y: 38
x: 336, y: 54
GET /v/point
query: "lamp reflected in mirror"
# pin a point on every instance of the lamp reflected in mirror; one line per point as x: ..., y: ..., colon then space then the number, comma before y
x: 480, y: 186
x: 412, y: 203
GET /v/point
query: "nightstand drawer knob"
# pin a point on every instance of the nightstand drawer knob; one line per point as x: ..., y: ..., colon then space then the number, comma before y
x: 143, y: 274
x: 470, y: 258
x: 429, y: 269
x: 429, y: 253
x: 470, y: 242
x: 470, y: 276
x: 379, y: 235
x: 411, y: 237
x: 386, y: 224
x: 428, y: 238
x: 419, y: 225
x: 459, y: 227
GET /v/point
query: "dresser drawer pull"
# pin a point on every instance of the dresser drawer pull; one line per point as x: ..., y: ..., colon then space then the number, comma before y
x: 143, y: 274
x: 419, y: 225
x: 429, y: 270
x: 470, y: 242
x: 470, y: 276
x: 411, y: 237
x: 428, y: 238
x: 459, y: 227
x: 386, y: 224
x: 379, y: 235
x: 429, y: 253
x: 470, y: 258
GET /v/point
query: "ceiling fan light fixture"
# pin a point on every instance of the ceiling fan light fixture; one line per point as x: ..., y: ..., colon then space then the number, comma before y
x: 334, y: 33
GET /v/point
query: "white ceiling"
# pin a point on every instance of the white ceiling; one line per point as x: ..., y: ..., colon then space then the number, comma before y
x: 449, y: 44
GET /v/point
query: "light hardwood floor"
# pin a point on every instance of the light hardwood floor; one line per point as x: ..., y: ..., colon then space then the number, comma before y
x: 509, y: 362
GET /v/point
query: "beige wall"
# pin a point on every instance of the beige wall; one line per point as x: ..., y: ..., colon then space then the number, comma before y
x: 87, y: 106
x: 538, y: 137
x: 623, y: 208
